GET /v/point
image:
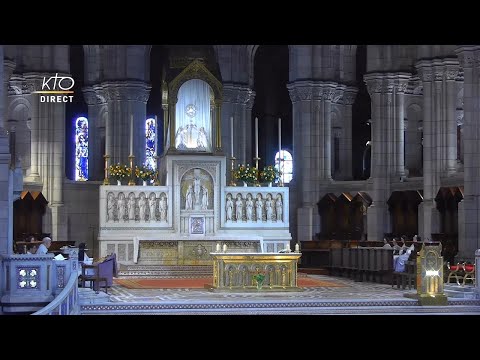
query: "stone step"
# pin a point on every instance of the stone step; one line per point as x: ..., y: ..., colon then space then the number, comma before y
x: 165, y: 271
x: 460, y: 291
x: 314, y: 271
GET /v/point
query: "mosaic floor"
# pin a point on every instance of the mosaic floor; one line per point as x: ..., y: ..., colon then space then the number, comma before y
x: 354, y: 298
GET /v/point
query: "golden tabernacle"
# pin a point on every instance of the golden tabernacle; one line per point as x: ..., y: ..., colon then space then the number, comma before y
x: 255, y: 272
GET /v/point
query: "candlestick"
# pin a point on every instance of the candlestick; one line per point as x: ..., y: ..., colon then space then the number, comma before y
x: 279, y: 137
x: 131, y: 134
x: 224, y: 248
x: 156, y: 137
x: 132, y: 171
x: 256, y: 137
x: 106, y: 181
x: 231, y: 135
x: 232, y: 172
x: 217, y: 248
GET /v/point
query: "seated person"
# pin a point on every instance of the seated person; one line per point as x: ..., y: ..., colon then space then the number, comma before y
x: 30, y: 238
x: 402, y: 259
x: 396, y: 247
x: 386, y: 245
x: 32, y: 249
x: 43, y: 248
x: 415, y: 238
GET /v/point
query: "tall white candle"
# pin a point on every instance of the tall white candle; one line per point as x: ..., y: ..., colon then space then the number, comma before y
x: 231, y: 135
x: 279, y: 141
x: 131, y: 134
x: 156, y: 136
x: 256, y: 137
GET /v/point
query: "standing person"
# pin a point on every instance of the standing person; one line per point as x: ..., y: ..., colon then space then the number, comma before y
x: 43, y: 248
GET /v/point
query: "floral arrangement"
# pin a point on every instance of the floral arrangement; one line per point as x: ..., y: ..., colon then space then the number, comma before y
x: 145, y: 173
x: 259, y: 278
x: 119, y: 171
x: 246, y: 173
x: 270, y: 173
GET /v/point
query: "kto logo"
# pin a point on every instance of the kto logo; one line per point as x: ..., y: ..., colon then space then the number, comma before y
x: 59, y: 85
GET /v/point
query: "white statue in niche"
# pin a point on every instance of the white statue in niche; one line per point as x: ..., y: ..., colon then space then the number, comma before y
x: 163, y: 208
x: 142, y: 203
x: 152, y: 204
x: 239, y: 208
x: 121, y: 207
x: 189, y: 198
x: 279, y: 208
x: 110, y: 207
x: 131, y: 206
x: 259, y: 208
x: 229, y: 207
x: 196, y: 189
x: 249, y: 207
x: 204, y: 198
x: 268, y: 207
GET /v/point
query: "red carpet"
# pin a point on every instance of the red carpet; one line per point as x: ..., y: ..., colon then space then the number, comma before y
x: 199, y: 283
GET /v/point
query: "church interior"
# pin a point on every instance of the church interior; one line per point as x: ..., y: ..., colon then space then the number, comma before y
x: 263, y: 179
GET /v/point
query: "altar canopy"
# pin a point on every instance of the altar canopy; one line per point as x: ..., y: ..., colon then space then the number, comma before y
x: 193, y: 117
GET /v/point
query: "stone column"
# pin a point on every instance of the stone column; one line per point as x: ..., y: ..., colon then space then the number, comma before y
x: 8, y: 67
x: 377, y: 213
x: 236, y: 101
x: 6, y: 182
x: 96, y: 161
x: 34, y: 82
x: 400, y: 86
x: 304, y: 138
x: 450, y: 72
x: 469, y: 232
x: 428, y: 213
x: 124, y: 99
x: 346, y: 142
x: 312, y: 139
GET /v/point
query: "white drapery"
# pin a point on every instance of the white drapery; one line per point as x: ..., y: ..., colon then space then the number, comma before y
x: 192, y: 116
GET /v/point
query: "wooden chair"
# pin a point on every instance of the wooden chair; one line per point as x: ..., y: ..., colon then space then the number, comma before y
x: 100, y: 274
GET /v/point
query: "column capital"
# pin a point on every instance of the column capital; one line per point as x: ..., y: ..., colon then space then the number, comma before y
x: 8, y: 67
x: 468, y: 56
x: 315, y: 90
x: 350, y: 95
x: 92, y: 97
x: 237, y: 94
x: 123, y: 91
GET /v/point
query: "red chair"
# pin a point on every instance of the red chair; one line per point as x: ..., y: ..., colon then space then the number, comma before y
x: 469, y: 270
x: 456, y: 271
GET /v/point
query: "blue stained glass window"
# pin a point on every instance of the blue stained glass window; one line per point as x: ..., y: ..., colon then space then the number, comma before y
x: 81, y: 149
x: 150, y: 132
x: 286, y: 166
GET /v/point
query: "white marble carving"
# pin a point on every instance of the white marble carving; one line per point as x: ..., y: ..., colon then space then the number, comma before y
x: 239, y: 208
x: 259, y: 207
x: 152, y: 204
x: 163, y: 208
x: 204, y: 198
x: 121, y: 207
x: 269, y: 207
x: 142, y: 203
x: 279, y: 207
x: 249, y: 207
x: 131, y: 206
x: 229, y: 207
x: 111, y: 207
x: 189, y: 198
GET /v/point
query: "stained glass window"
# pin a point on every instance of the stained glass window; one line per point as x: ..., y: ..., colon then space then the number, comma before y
x: 286, y: 165
x: 81, y: 149
x: 150, y: 133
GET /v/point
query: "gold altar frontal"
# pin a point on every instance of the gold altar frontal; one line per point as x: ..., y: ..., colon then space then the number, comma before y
x: 254, y: 272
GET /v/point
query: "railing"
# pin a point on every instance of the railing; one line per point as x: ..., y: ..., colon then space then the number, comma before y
x: 66, y: 303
